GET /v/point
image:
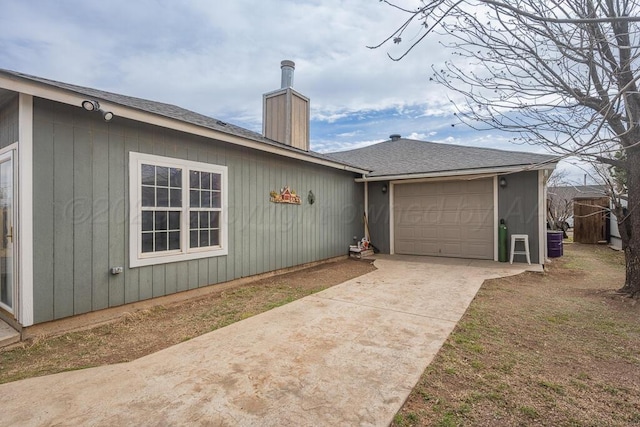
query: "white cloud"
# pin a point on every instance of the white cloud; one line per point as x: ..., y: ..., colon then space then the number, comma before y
x: 418, y: 136
x: 348, y: 134
x: 218, y: 58
x: 332, y: 146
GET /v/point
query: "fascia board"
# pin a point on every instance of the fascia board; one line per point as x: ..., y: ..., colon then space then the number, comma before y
x: 457, y: 174
x: 41, y: 90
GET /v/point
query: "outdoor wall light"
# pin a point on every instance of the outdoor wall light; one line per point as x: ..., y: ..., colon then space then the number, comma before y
x: 384, y: 189
x: 91, y: 105
x: 95, y: 106
x: 503, y: 182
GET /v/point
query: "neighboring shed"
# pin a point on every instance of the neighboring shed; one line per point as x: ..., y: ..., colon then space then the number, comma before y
x: 591, y: 220
x: 586, y: 209
x: 560, y: 200
x: 426, y: 198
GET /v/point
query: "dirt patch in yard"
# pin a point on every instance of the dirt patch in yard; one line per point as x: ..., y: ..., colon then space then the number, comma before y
x: 140, y: 333
x: 554, y: 349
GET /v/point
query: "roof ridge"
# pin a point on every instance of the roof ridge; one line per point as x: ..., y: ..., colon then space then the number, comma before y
x: 389, y: 141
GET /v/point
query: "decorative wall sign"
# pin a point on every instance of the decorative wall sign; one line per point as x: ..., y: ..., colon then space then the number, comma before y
x: 286, y: 196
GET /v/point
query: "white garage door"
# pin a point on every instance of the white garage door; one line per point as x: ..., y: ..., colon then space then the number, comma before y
x: 449, y: 219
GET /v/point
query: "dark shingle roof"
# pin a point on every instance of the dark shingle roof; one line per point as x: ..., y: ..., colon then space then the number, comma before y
x: 408, y: 156
x: 172, y: 112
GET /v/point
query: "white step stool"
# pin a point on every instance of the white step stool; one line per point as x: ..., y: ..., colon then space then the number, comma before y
x: 524, y: 238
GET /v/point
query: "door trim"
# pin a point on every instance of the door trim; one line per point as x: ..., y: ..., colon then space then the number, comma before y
x: 9, y: 154
x: 24, y: 165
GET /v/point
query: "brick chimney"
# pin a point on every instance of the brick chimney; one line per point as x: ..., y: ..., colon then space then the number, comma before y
x: 285, y: 116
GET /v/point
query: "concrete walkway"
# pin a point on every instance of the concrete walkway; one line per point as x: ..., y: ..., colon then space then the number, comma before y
x: 346, y: 356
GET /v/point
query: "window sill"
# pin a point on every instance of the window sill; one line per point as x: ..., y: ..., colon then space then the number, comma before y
x: 165, y: 259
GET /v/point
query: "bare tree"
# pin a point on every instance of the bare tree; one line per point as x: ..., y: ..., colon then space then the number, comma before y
x: 559, y: 207
x: 563, y: 73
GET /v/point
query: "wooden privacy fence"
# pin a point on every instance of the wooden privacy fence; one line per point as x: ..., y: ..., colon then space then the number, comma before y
x: 590, y: 219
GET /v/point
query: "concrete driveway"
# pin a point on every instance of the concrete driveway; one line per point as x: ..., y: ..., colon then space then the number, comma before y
x: 349, y: 355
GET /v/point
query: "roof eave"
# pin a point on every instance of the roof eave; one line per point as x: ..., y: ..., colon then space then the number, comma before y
x: 459, y: 173
x: 66, y: 96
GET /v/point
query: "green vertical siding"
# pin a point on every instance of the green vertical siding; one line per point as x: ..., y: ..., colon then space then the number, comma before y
x: 100, y: 214
x: 43, y: 217
x: 518, y: 206
x: 118, y: 210
x: 9, y: 129
x: 134, y: 280
x: 63, y: 219
x: 81, y: 225
x: 379, y: 216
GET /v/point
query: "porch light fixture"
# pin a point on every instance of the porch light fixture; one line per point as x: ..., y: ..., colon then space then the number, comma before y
x: 90, y: 105
x: 384, y: 189
x: 503, y: 182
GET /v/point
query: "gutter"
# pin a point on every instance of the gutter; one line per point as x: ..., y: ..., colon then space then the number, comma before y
x: 469, y: 173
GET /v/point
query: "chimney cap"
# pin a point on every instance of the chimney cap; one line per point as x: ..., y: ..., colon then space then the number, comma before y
x: 287, y: 68
x: 395, y: 136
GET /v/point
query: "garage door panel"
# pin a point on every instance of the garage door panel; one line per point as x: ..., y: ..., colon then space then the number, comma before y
x: 452, y: 202
x: 474, y: 185
x: 431, y: 217
x: 414, y: 233
x: 426, y: 246
x: 429, y: 232
x: 477, y: 201
x: 453, y: 219
x: 450, y: 249
x: 417, y: 202
x: 410, y: 218
x: 418, y: 247
x: 405, y: 247
x: 475, y: 217
x: 483, y: 234
x: 449, y: 233
x: 449, y: 218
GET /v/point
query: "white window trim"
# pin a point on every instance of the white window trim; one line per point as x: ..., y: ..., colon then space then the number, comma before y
x: 139, y: 259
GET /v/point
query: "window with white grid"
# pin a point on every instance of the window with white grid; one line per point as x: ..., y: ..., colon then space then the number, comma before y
x: 177, y: 209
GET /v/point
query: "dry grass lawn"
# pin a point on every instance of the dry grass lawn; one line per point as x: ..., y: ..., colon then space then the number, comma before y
x: 553, y: 349
x: 144, y: 332
x: 559, y: 349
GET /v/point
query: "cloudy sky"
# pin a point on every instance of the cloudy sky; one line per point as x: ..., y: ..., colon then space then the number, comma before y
x: 218, y: 58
